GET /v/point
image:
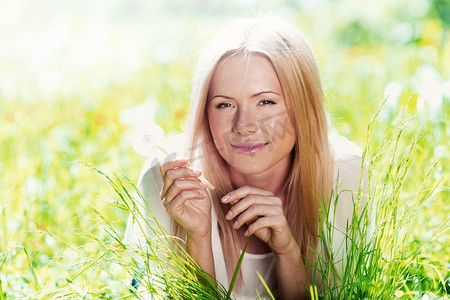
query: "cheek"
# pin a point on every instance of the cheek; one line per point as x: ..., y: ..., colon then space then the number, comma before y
x: 277, y: 129
x: 219, y: 123
x: 218, y: 130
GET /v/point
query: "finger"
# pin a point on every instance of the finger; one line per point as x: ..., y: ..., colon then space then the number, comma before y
x: 255, y: 212
x: 275, y: 222
x: 240, y: 193
x: 182, y: 184
x: 173, y: 174
x: 167, y: 165
x: 176, y: 205
x: 251, y: 200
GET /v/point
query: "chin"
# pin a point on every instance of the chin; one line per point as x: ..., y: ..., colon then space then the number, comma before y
x: 249, y: 169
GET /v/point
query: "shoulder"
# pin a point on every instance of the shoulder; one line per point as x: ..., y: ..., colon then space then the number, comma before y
x: 343, y: 149
x: 348, y: 172
x: 347, y: 162
x: 351, y: 181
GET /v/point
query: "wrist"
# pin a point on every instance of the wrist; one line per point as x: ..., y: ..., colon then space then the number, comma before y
x: 195, y: 231
x: 291, y: 251
x: 198, y: 236
x: 202, y: 234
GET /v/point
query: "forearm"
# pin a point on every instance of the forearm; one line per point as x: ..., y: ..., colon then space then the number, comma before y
x: 200, y: 250
x: 291, y: 277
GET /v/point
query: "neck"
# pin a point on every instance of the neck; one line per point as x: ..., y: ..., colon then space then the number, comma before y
x: 272, y: 180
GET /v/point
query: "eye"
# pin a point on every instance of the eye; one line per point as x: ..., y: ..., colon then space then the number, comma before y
x: 267, y: 102
x: 224, y: 105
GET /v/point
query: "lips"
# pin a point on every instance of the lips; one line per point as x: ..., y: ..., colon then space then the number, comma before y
x: 249, y: 147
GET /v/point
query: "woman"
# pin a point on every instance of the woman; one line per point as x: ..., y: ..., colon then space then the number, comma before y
x: 258, y: 130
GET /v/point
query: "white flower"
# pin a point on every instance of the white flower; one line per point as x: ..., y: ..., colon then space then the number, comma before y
x: 146, y: 137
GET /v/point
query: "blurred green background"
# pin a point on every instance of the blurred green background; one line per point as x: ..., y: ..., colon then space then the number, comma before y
x: 73, y: 72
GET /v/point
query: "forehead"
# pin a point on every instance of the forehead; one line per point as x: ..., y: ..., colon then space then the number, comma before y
x: 242, y: 73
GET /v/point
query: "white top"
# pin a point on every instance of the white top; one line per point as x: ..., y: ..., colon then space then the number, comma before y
x: 347, y: 164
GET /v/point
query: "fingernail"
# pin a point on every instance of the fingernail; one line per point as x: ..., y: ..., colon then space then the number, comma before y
x: 228, y: 215
x: 196, y: 172
x: 225, y: 198
x: 202, y: 185
x: 246, y: 233
x: 235, y: 224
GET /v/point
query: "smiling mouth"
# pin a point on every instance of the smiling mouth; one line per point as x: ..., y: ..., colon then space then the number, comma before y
x: 249, y: 147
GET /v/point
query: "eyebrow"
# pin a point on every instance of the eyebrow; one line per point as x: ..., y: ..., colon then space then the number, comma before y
x: 254, y: 95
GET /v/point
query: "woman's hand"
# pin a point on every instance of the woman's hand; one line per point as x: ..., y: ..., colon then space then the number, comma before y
x: 185, y: 197
x: 263, y: 212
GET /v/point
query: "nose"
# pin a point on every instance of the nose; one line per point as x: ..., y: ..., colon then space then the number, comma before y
x: 245, y: 123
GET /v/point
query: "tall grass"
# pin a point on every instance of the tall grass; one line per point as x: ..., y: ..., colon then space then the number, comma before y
x: 162, y: 268
x: 379, y: 264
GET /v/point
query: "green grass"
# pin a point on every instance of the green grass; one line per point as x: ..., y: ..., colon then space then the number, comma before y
x: 383, y: 265
x: 60, y: 235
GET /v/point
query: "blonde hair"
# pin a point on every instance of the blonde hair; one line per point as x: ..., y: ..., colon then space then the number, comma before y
x: 311, y: 176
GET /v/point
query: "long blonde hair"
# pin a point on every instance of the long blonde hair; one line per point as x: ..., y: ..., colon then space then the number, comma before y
x: 311, y: 176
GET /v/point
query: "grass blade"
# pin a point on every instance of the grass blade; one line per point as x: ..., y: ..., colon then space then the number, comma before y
x: 35, y: 279
x: 265, y: 286
x: 236, y: 271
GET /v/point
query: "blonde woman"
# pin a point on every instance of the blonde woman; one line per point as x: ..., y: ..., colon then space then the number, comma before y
x: 258, y: 130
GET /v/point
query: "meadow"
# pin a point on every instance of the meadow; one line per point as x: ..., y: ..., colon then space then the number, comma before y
x: 84, y: 83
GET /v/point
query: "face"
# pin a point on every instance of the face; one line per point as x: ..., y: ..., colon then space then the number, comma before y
x: 247, y: 115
